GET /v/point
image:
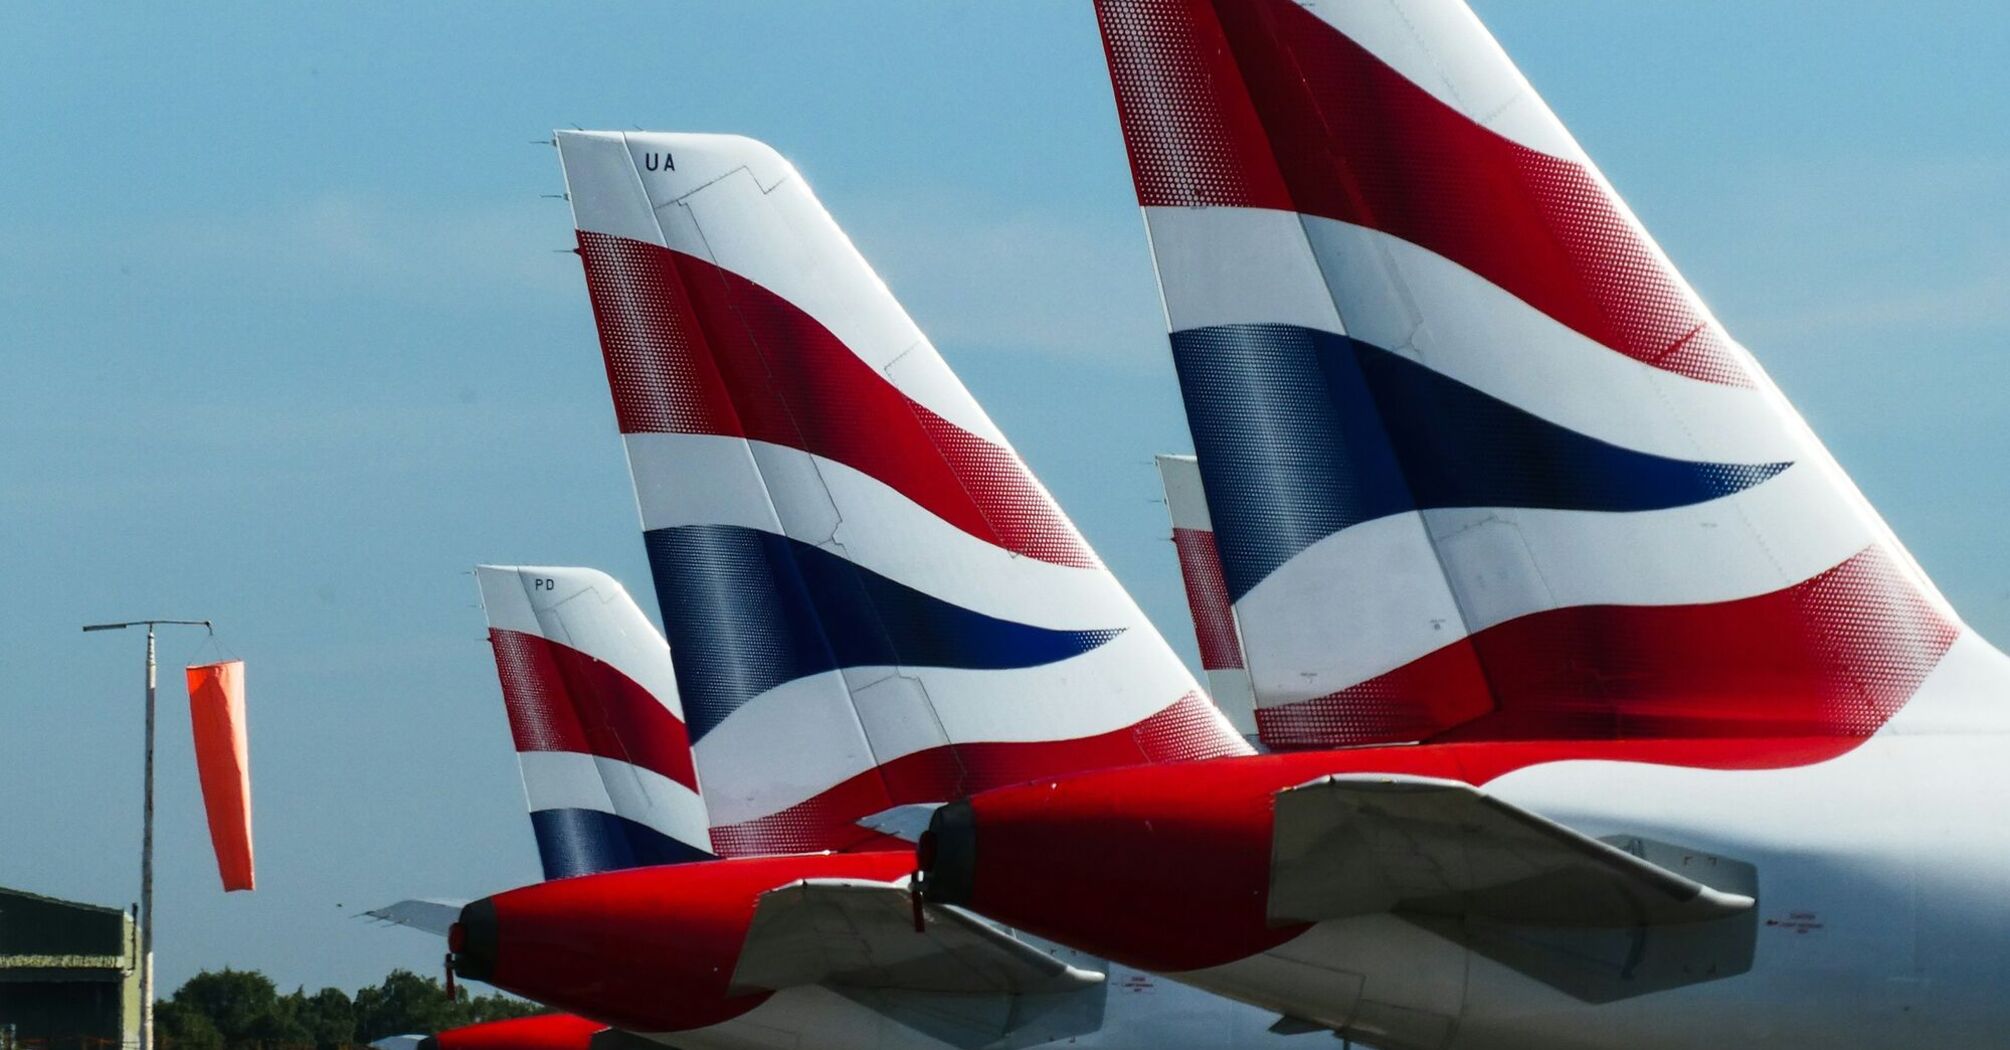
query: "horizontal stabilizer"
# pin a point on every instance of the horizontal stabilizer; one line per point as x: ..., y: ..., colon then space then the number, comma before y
x: 1598, y: 921
x: 850, y: 933
x: 905, y: 823
x: 1352, y: 845
x: 432, y: 916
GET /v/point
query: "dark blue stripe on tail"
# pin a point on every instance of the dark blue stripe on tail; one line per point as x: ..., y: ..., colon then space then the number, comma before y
x: 1303, y: 433
x: 584, y: 841
x: 748, y: 610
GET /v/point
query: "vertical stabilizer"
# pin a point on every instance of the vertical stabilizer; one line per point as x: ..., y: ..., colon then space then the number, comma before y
x: 1214, y: 627
x: 592, y: 701
x: 1480, y: 464
x: 872, y: 600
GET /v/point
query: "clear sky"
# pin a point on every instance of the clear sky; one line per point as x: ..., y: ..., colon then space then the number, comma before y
x: 285, y: 342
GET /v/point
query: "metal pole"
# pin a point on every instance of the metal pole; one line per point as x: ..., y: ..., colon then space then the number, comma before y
x: 147, y: 870
x: 145, y: 918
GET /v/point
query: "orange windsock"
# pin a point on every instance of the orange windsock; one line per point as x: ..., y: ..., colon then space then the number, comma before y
x: 223, y: 761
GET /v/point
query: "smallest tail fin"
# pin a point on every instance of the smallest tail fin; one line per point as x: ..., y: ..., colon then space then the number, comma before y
x: 593, y: 709
x: 1214, y: 625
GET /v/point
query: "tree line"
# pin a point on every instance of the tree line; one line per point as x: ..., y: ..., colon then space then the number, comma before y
x: 243, y: 1010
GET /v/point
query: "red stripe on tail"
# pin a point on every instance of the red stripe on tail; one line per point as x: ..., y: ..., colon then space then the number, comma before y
x: 560, y: 699
x: 692, y: 348
x: 1835, y: 656
x: 1260, y: 104
x: 1189, y: 729
x: 1207, y: 598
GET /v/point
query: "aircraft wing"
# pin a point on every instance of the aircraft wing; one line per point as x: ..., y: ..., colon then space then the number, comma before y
x: 431, y: 915
x: 905, y: 822
x: 860, y: 934
x: 960, y: 981
x: 1426, y: 848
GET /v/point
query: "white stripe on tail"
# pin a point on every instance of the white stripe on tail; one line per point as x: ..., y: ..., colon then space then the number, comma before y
x: 1480, y: 464
x: 593, y: 710
x: 873, y: 602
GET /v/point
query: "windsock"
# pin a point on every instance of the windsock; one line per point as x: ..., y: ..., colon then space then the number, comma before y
x: 223, y: 763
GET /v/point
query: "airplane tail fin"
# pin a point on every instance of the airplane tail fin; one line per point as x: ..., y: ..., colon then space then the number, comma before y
x: 592, y: 701
x: 1480, y: 463
x: 872, y: 600
x: 1214, y: 627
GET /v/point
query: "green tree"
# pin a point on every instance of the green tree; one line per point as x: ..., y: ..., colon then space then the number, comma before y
x: 328, y: 1017
x: 405, y: 1004
x: 496, y: 1006
x: 241, y: 1005
x: 241, y: 1010
x: 186, y: 1027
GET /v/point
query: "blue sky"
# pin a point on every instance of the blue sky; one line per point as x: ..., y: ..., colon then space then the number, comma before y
x: 284, y: 342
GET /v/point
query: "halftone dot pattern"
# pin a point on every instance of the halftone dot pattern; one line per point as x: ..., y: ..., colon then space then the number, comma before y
x: 1875, y: 636
x: 1186, y: 730
x: 738, y: 618
x: 587, y: 841
x: 541, y: 717
x: 1836, y: 655
x: 1650, y: 313
x: 748, y: 611
x: 1192, y: 135
x: 658, y: 367
x: 1207, y: 599
x: 1283, y: 465
x: 692, y: 348
x: 1303, y: 433
x: 560, y: 699
x: 828, y: 821
x: 1261, y: 104
x: 1022, y: 516
x: 1414, y: 702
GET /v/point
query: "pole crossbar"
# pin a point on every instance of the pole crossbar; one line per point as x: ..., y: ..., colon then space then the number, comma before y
x: 146, y: 911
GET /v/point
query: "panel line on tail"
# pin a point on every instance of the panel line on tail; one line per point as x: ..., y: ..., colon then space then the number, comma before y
x: 854, y: 564
x: 1480, y: 463
x: 590, y: 692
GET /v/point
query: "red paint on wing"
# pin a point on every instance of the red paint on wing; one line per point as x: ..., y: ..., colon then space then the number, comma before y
x: 1261, y: 104
x: 692, y: 348
x: 560, y: 699
x: 1188, y: 730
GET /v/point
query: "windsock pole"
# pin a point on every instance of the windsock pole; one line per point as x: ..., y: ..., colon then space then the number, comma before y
x: 146, y: 917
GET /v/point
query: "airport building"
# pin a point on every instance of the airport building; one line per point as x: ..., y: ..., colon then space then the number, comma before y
x: 67, y: 978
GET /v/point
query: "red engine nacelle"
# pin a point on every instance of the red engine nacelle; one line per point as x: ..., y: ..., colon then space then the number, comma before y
x: 543, y: 1032
x: 647, y: 949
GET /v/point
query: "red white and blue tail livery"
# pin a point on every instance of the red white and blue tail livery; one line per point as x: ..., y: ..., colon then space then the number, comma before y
x: 1480, y: 463
x: 872, y: 601
x: 593, y: 710
x: 587, y: 682
x: 1679, y: 748
x: 1214, y: 628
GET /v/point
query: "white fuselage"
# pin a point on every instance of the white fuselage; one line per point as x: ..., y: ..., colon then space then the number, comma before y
x: 1883, y: 915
